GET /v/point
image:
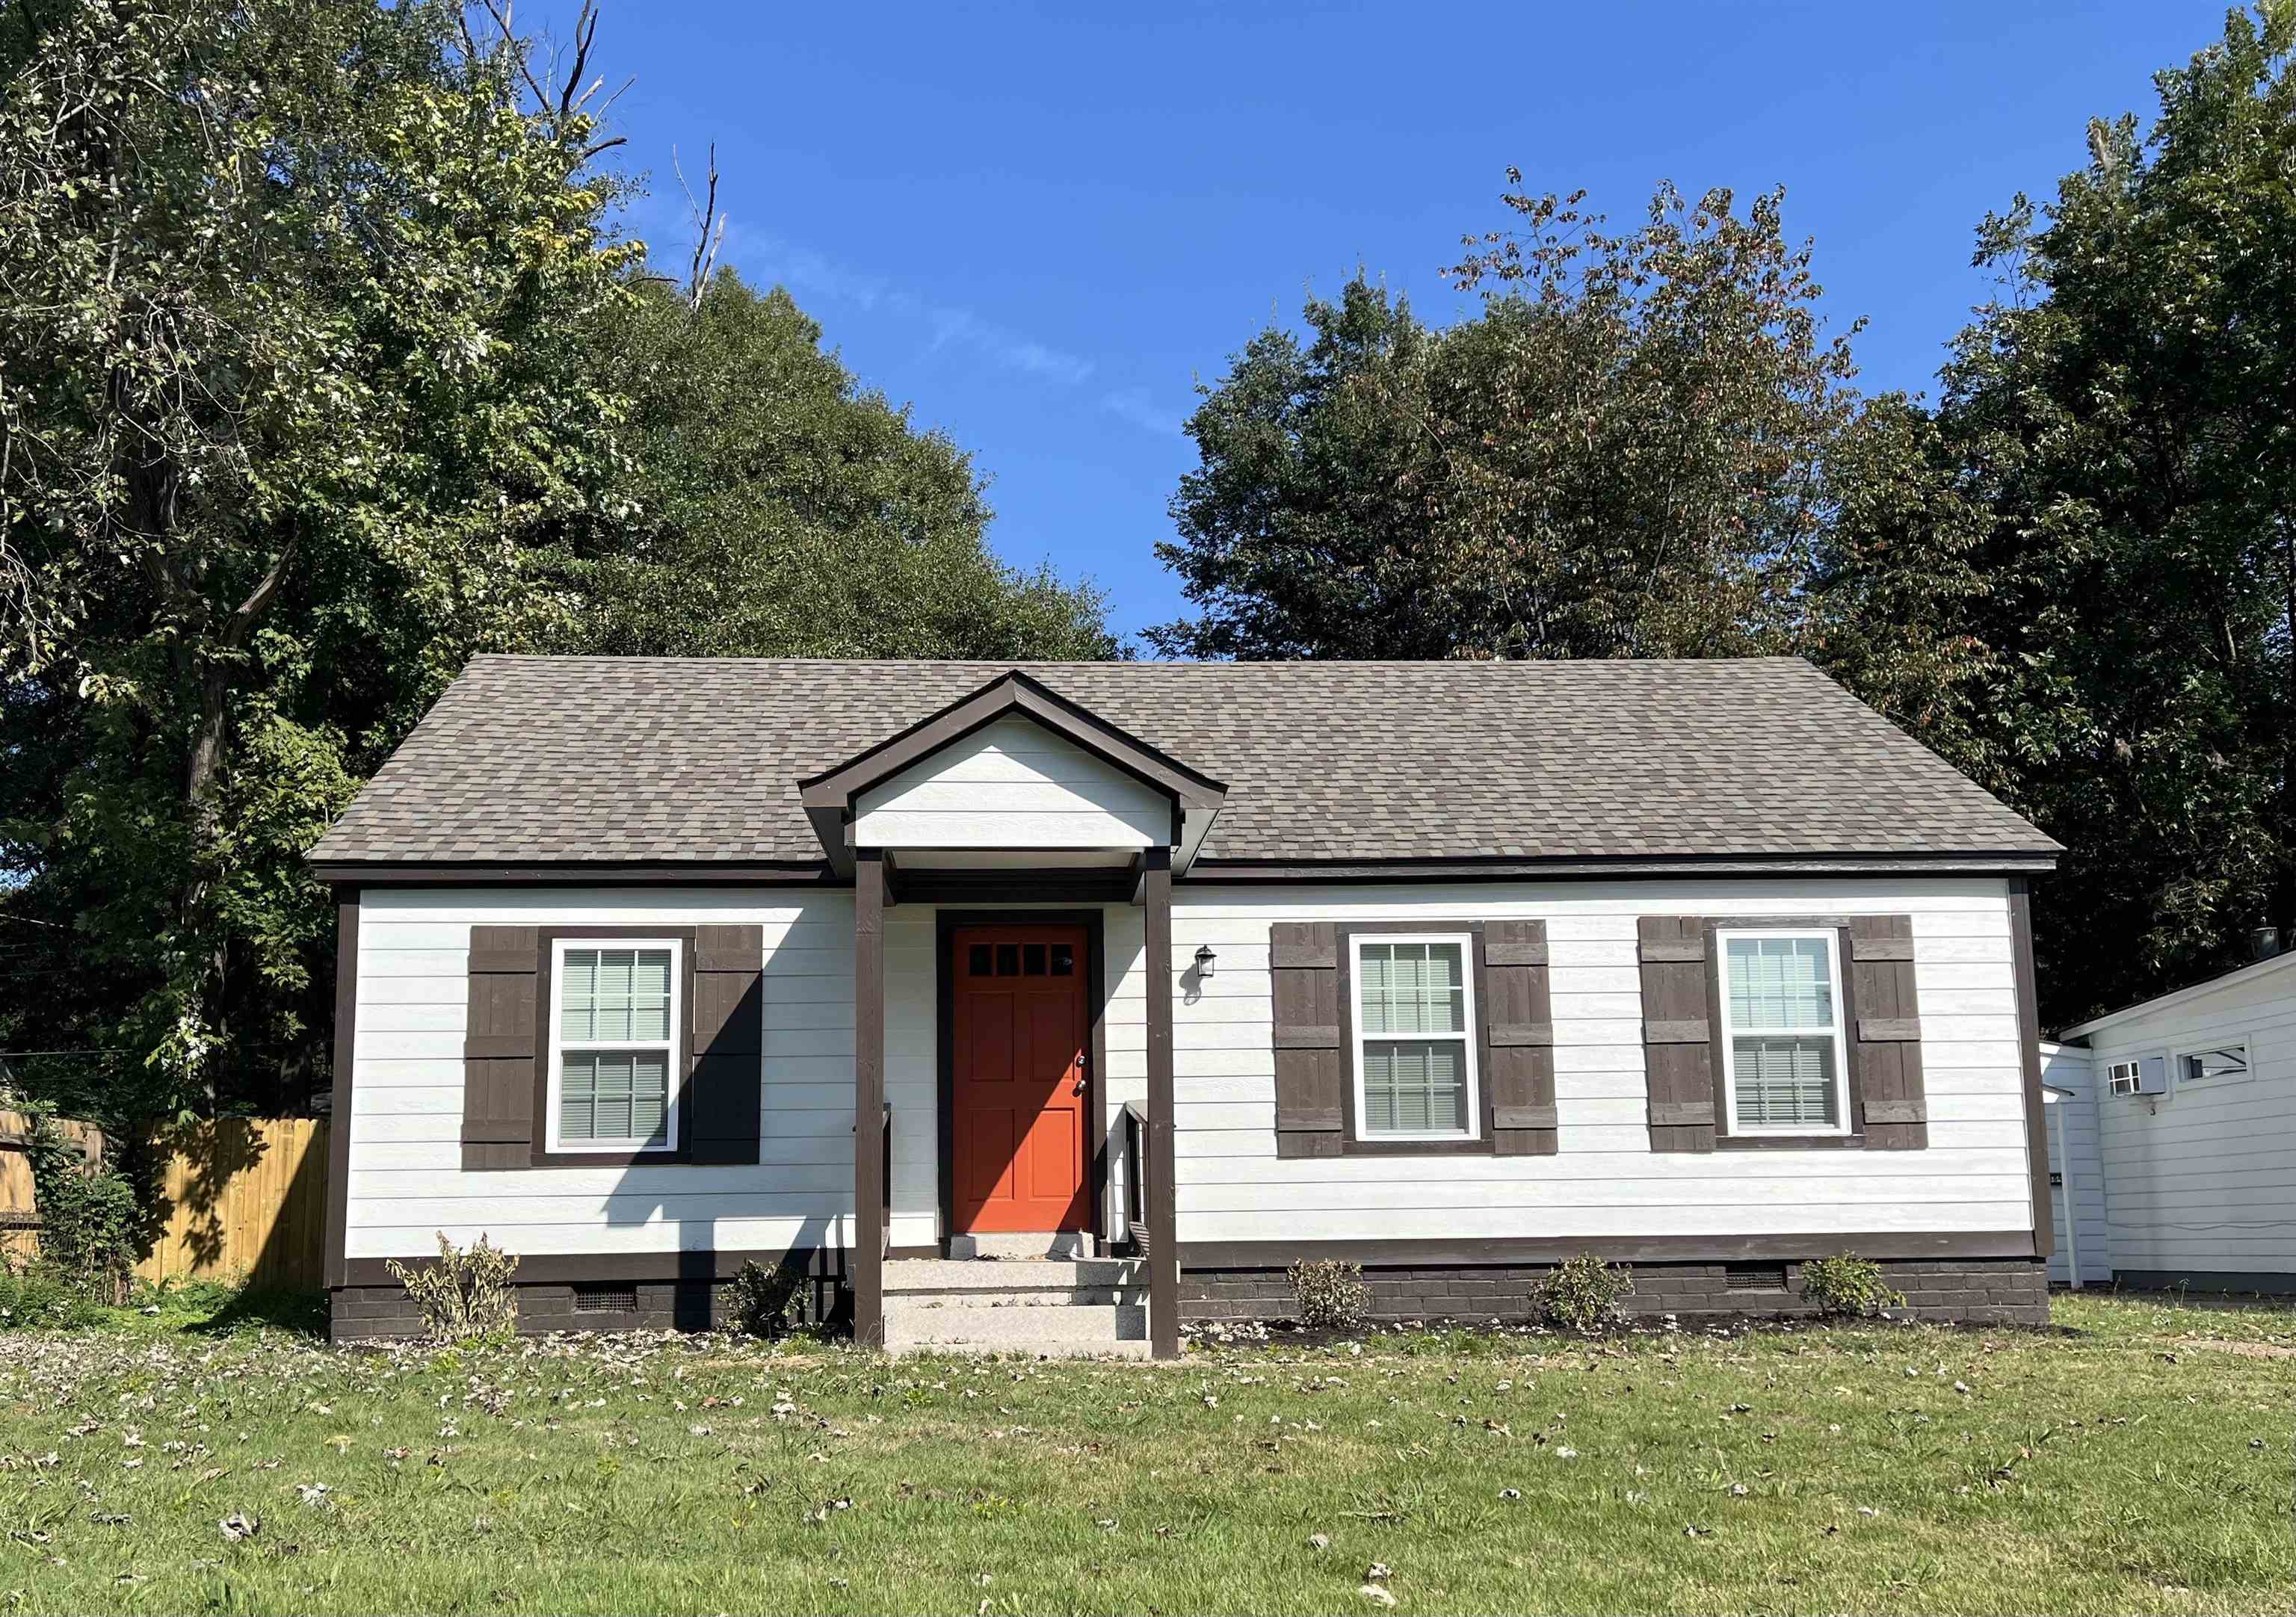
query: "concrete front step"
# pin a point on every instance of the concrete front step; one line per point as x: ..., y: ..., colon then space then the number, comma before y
x: 1082, y: 1307
x: 933, y: 1276
x: 1121, y: 1331
x: 1051, y: 1243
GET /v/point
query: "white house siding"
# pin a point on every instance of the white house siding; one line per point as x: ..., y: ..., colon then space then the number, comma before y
x: 2203, y: 1179
x: 407, y: 1180
x: 1605, y: 1182
x: 2079, y: 1208
x: 1012, y: 784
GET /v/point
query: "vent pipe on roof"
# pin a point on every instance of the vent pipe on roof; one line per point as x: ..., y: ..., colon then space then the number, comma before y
x: 2264, y: 941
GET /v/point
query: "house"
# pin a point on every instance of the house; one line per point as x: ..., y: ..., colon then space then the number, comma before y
x: 1149, y: 978
x: 2192, y: 1097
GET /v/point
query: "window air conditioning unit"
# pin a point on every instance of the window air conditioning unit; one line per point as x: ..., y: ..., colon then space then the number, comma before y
x: 2146, y: 1075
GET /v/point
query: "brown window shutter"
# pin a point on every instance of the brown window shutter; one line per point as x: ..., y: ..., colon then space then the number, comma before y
x: 1304, y: 959
x: 498, y: 1048
x: 1519, y: 1036
x: 1678, y: 1031
x: 1885, y: 1038
x: 729, y: 1018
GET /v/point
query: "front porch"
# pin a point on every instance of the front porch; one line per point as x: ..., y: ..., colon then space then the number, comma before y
x: 1011, y: 861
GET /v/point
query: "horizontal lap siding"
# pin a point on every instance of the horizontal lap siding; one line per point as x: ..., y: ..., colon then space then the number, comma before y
x: 407, y: 1181
x: 1605, y: 1182
x: 2204, y: 1178
x: 1012, y: 785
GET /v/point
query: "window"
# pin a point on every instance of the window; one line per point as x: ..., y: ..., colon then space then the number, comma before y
x: 614, y: 1044
x: 2121, y: 1078
x: 2198, y: 1066
x: 1784, y: 1057
x: 1414, y: 1061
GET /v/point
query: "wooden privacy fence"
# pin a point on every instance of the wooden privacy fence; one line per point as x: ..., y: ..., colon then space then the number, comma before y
x: 20, y: 1212
x: 242, y: 1198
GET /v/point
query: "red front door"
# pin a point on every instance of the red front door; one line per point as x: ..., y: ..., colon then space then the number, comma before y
x: 1018, y: 1111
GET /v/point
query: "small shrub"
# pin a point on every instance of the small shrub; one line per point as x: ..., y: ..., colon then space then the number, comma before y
x: 87, y: 1215
x: 41, y: 1299
x: 761, y: 1298
x: 465, y: 1294
x: 1848, y: 1286
x: 1582, y: 1294
x: 1332, y: 1295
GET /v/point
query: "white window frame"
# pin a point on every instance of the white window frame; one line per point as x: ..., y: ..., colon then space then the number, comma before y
x: 2136, y: 1067
x: 559, y: 949
x: 1839, y: 1032
x: 2247, y: 1064
x: 1468, y: 1038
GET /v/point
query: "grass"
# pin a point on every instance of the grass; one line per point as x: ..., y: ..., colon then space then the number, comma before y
x: 2145, y: 1464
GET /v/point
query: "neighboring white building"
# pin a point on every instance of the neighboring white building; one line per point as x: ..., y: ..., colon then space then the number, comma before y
x: 2194, y: 1105
x: 2076, y: 1173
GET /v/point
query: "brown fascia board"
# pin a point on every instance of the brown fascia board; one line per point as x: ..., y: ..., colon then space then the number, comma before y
x: 834, y: 790
x: 820, y: 872
x: 572, y: 873
x: 1512, y: 868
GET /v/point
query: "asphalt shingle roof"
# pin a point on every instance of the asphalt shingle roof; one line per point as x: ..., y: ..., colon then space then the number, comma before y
x: 665, y: 759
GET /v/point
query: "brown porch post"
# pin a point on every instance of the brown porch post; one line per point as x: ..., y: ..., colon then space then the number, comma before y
x: 1163, y: 1240
x: 868, y: 1255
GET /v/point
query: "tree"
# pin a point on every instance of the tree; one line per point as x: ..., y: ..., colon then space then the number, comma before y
x: 778, y: 509
x: 2112, y: 462
x: 321, y: 368
x: 1620, y: 456
x: 294, y: 409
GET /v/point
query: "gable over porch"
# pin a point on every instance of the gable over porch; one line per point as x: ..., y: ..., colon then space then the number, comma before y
x: 1024, y: 820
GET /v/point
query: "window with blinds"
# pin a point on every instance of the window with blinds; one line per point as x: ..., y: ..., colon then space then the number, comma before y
x: 1414, y: 1061
x: 615, y: 1040
x: 1781, y: 1004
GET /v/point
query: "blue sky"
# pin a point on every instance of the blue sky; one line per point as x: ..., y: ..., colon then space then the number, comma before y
x: 1040, y: 226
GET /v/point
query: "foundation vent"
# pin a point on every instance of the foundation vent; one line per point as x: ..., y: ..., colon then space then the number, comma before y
x: 1754, y: 1277
x: 605, y: 1299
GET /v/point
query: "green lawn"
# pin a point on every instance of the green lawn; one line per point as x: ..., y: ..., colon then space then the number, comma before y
x: 2143, y: 1465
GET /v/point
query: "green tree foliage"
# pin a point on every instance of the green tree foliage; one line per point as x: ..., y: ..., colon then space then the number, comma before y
x: 781, y: 511
x: 2079, y: 579
x: 1619, y: 457
x: 294, y: 409
x: 322, y: 367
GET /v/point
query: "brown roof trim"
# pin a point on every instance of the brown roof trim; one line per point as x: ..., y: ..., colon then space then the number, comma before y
x: 1012, y: 692
x: 819, y: 872
x: 339, y: 1111
x: 1502, y: 868
x: 568, y: 873
x: 2029, y: 1040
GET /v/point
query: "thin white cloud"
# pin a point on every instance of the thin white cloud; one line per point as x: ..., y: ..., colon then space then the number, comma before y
x: 807, y: 272
x: 1133, y: 404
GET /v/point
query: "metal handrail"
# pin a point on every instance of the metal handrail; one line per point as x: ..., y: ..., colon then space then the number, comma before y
x: 885, y: 1222
x: 1135, y: 1180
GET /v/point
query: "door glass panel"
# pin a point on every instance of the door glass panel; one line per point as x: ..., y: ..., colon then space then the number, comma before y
x: 1064, y: 959
x: 1032, y: 959
x: 977, y: 960
x: 1008, y: 959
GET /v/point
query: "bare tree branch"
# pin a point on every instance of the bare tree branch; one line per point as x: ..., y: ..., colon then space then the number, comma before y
x: 709, y: 227
x: 501, y: 13
x: 586, y: 34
